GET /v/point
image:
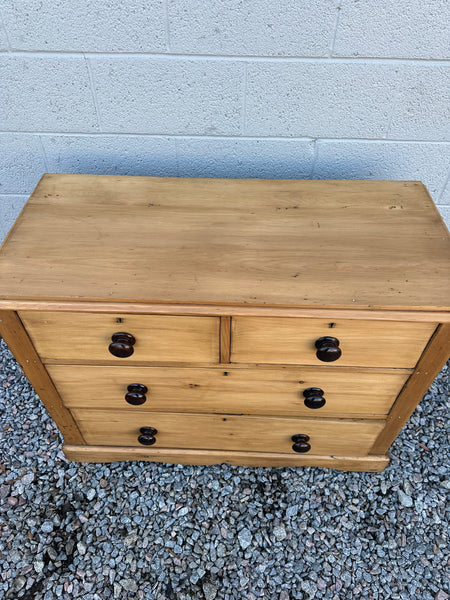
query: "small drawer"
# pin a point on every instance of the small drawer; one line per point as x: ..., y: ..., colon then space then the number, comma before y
x: 226, y: 432
x: 284, y: 340
x: 86, y: 337
x: 307, y: 391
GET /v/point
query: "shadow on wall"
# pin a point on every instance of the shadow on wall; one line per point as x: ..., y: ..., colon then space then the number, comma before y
x: 237, y: 165
x: 271, y: 159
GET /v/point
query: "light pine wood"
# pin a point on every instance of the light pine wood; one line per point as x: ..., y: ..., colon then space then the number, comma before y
x: 228, y: 432
x: 102, y: 454
x: 86, y: 336
x: 218, y: 310
x: 333, y: 244
x: 363, y: 343
x: 225, y: 339
x: 226, y: 285
x: 19, y: 343
x: 433, y: 359
x: 348, y: 392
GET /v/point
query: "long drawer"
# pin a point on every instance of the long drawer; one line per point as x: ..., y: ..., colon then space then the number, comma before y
x: 227, y: 432
x: 86, y: 337
x: 277, y: 391
x: 284, y: 340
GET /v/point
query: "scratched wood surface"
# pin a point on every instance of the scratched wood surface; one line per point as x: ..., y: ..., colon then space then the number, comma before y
x: 354, y: 244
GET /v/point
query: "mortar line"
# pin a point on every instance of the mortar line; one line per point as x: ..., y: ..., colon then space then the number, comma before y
x: 168, y: 42
x: 177, y: 156
x: 93, y: 93
x: 336, y: 25
x: 222, y: 137
x: 5, y: 31
x: 13, y: 194
x: 244, y: 101
x: 44, y: 154
x: 395, y: 101
x: 446, y: 182
x: 233, y: 57
x: 315, y: 157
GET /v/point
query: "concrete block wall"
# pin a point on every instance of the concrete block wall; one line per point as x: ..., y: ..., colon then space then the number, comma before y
x: 340, y: 89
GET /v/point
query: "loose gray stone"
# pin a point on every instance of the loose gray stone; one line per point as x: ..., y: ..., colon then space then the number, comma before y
x: 28, y: 479
x: 245, y: 538
x: 129, y: 584
x: 209, y: 590
x: 228, y: 543
x: 4, y: 491
x: 280, y: 533
x: 404, y: 499
x: 19, y: 582
x: 47, y: 526
x: 38, y: 566
x: 82, y: 548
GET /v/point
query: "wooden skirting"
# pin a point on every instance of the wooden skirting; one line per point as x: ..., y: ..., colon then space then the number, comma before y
x: 212, y: 457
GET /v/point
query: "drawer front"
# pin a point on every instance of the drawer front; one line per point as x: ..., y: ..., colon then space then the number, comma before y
x: 228, y: 432
x: 283, y: 340
x: 84, y: 337
x: 277, y: 391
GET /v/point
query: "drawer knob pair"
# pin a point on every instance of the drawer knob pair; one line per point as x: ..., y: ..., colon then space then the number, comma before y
x: 328, y: 349
x: 136, y: 394
x: 301, y: 443
x: 147, y: 437
x: 314, y: 397
x: 122, y: 344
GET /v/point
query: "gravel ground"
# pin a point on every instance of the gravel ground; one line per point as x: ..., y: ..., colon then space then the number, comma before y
x: 150, y: 531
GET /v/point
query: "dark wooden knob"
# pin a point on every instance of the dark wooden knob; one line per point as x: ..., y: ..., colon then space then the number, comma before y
x: 122, y: 344
x: 314, y: 397
x: 300, y: 443
x: 136, y: 394
x: 328, y: 349
x: 147, y: 437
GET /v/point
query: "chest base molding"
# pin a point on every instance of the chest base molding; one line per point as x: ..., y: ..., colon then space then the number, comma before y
x: 106, y: 454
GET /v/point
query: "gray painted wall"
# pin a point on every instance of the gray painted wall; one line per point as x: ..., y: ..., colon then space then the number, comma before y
x: 337, y: 89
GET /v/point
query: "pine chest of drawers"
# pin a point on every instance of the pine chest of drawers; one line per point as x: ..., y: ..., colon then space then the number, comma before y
x: 252, y: 322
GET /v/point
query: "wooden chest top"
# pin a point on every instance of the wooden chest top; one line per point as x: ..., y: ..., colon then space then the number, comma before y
x: 335, y: 244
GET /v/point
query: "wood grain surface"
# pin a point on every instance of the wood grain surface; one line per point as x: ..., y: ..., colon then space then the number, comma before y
x: 86, y: 336
x: 353, y: 244
x: 228, y: 432
x: 431, y: 362
x: 363, y: 343
x: 102, y: 454
x: 12, y: 331
x: 348, y: 392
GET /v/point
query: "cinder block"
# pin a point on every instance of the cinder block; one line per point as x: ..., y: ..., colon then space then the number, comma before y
x: 46, y: 94
x: 260, y: 27
x: 320, y: 99
x: 422, y: 109
x: 270, y: 159
x: 111, y: 155
x: 10, y: 207
x: 175, y: 96
x: 21, y: 163
x: 445, y: 214
x: 87, y: 25
x: 384, y: 160
x: 382, y: 28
